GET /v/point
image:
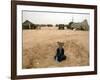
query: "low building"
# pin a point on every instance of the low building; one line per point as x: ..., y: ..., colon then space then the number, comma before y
x: 28, y: 25
x: 80, y: 26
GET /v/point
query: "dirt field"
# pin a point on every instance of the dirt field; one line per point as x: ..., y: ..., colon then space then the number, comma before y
x: 39, y: 48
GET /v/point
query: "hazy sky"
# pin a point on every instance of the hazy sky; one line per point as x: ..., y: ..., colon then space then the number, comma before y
x: 38, y: 17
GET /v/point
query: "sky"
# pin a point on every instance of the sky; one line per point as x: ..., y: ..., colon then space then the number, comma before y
x: 44, y: 17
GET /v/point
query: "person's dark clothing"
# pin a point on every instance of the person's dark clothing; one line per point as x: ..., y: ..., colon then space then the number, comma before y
x: 60, y: 54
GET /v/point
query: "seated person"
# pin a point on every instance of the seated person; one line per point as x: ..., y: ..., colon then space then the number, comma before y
x: 60, y: 52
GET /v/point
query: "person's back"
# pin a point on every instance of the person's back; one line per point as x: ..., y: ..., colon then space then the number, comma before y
x: 60, y: 53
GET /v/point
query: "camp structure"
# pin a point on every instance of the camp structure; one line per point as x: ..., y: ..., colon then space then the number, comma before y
x: 85, y: 25
x: 61, y: 26
x: 80, y: 25
x: 28, y: 25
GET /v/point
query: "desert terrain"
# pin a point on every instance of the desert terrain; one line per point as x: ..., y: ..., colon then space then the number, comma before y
x: 39, y: 48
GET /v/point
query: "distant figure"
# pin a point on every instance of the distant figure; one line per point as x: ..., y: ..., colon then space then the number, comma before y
x: 60, y: 52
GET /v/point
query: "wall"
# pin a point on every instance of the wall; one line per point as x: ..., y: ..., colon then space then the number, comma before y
x: 5, y: 37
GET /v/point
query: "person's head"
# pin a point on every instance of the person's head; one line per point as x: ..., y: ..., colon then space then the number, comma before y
x: 60, y: 44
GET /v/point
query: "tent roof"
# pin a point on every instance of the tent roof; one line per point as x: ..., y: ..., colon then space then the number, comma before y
x: 27, y: 22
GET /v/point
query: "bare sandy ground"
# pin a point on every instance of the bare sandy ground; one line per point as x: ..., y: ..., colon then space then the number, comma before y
x: 39, y: 48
